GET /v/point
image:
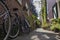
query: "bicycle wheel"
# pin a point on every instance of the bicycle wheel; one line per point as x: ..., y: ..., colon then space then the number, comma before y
x: 7, y: 24
x: 4, y: 13
x: 14, y: 27
x: 26, y: 26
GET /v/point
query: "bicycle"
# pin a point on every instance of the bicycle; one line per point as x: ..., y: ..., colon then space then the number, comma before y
x: 14, y: 31
x: 4, y: 12
x: 25, y: 26
x: 10, y: 22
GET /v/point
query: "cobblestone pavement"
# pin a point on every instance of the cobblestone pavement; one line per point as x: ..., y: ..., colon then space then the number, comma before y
x: 39, y: 34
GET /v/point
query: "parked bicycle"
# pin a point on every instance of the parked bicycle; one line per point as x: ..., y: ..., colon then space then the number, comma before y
x: 25, y: 26
x: 4, y: 13
x: 11, y: 22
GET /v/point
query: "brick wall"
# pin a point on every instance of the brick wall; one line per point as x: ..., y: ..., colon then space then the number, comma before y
x: 11, y: 4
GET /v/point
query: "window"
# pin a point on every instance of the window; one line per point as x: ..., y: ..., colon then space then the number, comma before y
x: 20, y: 1
x: 55, y: 12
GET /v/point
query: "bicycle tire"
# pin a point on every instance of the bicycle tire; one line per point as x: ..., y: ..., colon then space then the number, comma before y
x: 9, y: 28
x: 25, y: 26
x: 12, y: 27
x: 17, y: 26
x: 4, y: 6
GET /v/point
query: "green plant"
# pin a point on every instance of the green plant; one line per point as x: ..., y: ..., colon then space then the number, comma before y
x: 58, y: 20
x: 34, y: 17
x: 54, y: 20
x: 55, y: 25
x: 38, y: 22
x: 31, y: 19
x: 44, y: 16
x: 58, y: 26
x: 45, y: 25
x: 52, y: 27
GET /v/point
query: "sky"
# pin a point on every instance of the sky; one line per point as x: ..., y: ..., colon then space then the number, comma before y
x: 37, y: 5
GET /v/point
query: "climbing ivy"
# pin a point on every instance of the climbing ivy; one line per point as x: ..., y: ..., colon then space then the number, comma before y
x: 44, y: 14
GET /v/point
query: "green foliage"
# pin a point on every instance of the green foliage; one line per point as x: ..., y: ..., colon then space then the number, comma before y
x: 34, y: 17
x: 38, y: 22
x: 54, y: 20
x: 58, y: 26
x: 31, y: 20
x: 44, y: 16
x: 44, y: 22
x: 45, y: 25
x: 55, y: 24
x: 58, y: 20
x: 52, y: 27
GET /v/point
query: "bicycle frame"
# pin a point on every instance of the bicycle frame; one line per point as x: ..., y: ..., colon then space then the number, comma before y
x: 9, y: 13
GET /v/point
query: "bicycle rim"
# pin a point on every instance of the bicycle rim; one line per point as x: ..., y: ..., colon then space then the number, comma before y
x: 15, y: 28
x: 3, y: 12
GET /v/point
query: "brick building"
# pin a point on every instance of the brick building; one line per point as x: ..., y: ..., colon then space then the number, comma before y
x: 50, y: 4
x: 21, y: 7
x: 53, y: 9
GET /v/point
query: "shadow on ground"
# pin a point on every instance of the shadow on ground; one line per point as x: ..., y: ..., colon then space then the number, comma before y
x: 38, y: 35
x: 2, y: 34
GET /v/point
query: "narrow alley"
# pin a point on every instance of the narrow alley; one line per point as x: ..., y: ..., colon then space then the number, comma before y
x: 29, y: 19
x: 39, y: 34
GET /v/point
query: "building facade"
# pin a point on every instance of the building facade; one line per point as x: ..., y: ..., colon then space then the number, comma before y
x: 21, y: 7
x: 58, y: 7
x: 53, y: 9
x: 50, y: 4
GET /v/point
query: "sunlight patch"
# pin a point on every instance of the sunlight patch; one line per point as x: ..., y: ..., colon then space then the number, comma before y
x: 35, y: 37
x: 46, y: 36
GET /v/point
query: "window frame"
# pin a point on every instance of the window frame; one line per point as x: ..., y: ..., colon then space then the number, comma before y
x: 56, y: 14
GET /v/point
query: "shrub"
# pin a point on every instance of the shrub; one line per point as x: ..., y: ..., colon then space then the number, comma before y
x: 31, y: 19
x: 45, y: 25
x: 34, y: 17
x: 52, y: 27
x: 58, y: 26
x: 55, y: 24
x: 54, y: 21
x: 38, y: 23
x: 58, y: 20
